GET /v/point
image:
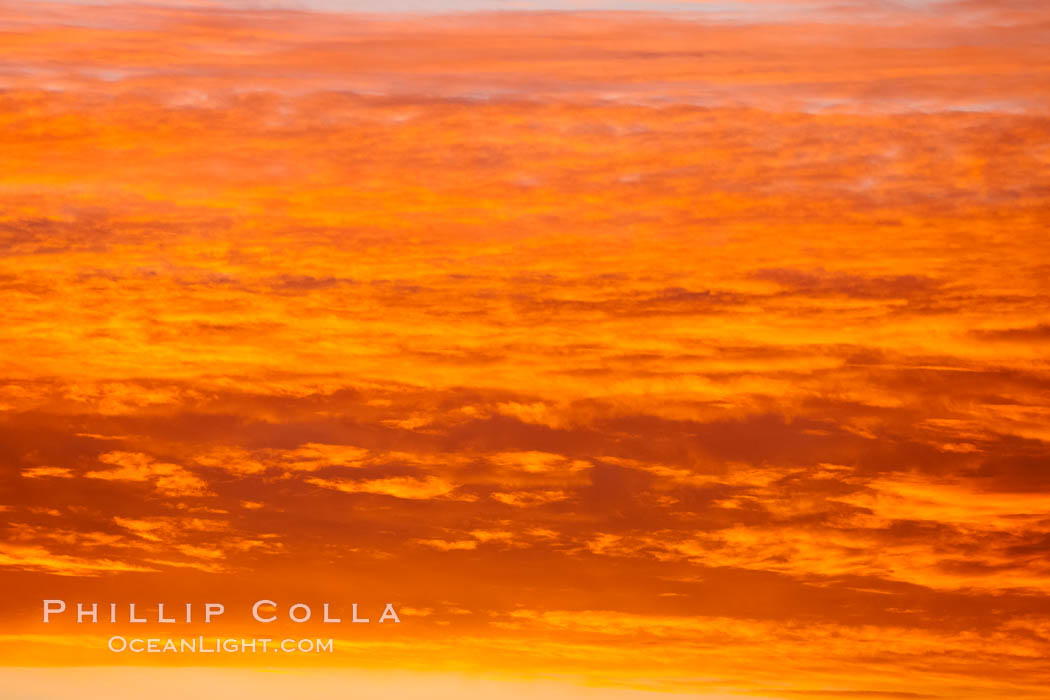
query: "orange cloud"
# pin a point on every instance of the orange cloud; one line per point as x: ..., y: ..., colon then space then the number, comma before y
x: 169, y: 479
x: 398, y: 487
x: 656, y: 352
x: 44, y: 472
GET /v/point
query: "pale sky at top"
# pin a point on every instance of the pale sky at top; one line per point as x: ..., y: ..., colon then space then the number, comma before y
x: 741, y: 9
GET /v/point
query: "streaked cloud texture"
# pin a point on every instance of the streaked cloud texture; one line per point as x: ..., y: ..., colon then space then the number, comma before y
x: 633, y: 351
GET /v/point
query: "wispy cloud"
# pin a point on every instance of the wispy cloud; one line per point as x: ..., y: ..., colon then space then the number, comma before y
x: 635, y: 347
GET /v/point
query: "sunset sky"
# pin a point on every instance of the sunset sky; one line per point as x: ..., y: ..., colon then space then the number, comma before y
x: 631, y: 349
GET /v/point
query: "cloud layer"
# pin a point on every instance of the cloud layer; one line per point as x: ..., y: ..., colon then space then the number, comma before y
x: 679, y: 355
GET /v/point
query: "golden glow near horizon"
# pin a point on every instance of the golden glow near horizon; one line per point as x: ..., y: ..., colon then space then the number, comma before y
x: 625, y: 353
